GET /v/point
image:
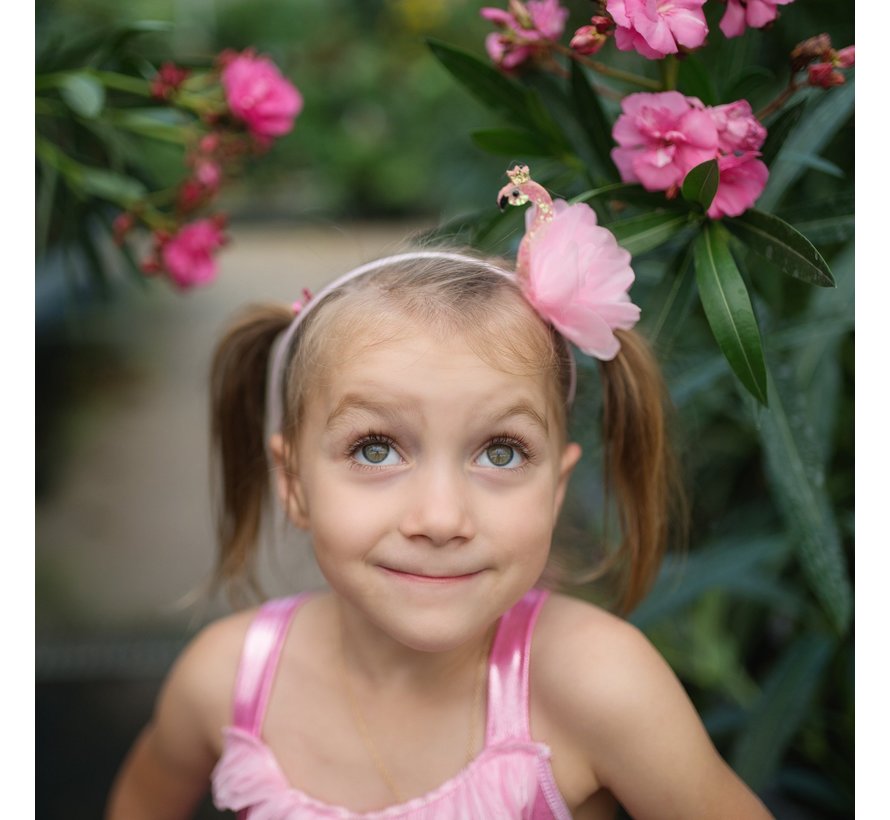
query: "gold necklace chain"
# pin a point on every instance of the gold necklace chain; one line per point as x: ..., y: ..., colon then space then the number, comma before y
x: 365, y: 733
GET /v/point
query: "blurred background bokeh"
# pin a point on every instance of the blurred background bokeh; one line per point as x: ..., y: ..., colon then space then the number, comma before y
x: 381, y: 152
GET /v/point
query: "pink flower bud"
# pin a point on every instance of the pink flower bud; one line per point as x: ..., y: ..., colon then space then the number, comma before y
x: 208, y: 174
x: 168, y: 80
x: 824, y: 75
x: 121, y: 226
x: 588, y: 40
x: 209, y: 143
x: 810, y: 50
x: 846, y: 57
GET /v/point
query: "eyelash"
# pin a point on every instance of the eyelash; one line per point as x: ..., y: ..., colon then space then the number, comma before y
x: 517, y: 442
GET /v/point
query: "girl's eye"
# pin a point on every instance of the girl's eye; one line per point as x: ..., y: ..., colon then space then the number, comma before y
x: 376, y: 453
x: 501, y: 455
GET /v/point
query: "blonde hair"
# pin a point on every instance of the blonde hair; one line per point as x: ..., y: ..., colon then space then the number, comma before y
x: 444, y: 294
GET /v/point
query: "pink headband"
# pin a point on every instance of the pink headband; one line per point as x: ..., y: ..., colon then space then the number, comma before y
x: 282, y: 344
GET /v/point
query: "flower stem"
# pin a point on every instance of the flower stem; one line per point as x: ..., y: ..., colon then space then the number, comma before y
x: 606, y: 70
x: 779, y: 101
x: 669, y: 70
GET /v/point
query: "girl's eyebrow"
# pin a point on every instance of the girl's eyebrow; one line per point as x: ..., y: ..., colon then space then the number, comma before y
x: 353, y: 402
x: 389, y: 411
x: 522, y: 409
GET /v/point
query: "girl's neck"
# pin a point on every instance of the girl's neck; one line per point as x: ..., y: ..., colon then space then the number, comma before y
x: 380, y: 660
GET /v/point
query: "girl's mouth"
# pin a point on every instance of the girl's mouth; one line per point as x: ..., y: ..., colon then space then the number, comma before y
x: 430, y: 579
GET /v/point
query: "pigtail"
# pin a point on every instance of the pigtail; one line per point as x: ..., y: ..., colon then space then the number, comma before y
x: 640, y: 469
x: 238, y: 419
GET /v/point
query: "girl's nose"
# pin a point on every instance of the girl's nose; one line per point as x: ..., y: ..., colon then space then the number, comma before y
x: 438, y: 506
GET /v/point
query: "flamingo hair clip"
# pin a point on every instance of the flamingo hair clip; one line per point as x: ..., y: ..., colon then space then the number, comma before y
x: 572, y: 271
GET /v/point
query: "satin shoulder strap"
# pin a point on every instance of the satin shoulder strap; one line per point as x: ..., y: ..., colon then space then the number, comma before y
x: 508, y: 671
x: 259, y: 661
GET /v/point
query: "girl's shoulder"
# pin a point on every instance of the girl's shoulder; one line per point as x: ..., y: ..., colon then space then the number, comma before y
x: 598, y: 675
x: 202, y: 680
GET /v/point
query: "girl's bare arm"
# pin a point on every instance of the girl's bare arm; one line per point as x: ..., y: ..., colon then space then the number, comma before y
x: 167, y: 771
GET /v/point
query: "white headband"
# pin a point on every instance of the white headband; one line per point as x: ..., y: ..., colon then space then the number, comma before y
x: 275, y: 411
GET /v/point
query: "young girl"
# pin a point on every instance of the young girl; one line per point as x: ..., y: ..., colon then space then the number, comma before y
x: 417, y: 428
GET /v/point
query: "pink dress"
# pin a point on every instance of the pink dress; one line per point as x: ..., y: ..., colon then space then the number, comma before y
x: 510, y: 778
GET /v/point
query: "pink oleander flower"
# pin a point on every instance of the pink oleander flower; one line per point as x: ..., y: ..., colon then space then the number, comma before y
x: 525, y: 30
x: 656, y: 28
x: 750, y: 13
x: 578, y: 279
x: 737, y: 127
x: 258, y: 94
x: 188, y: 255
x: 661, y: 137
x: 742, y: 179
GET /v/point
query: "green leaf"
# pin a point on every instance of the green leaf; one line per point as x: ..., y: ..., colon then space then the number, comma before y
x: 749, y: 81
x: 728, y: 308
x: 510, y: 142
x: 639, y: 234
x: 485, y: 83
x: 633, y: 194
x: 695, y: 80
x: 700, y: 184
x: 670, y: 302
x: 777, y: 242
x: 792, y: 465
x: 781, y: 709
x: 83, y: 94
x: 153, y: 123
x: 741, y: 566
x: 824, y: 221
x: 117, y: 188
x: 815, y: 130
x: 778, y: 129
x: 590, y: 115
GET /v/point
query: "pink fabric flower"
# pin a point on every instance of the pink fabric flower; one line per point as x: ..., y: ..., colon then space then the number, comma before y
x: 656, y: 28
x: 737, y: 127
x: 751, y: 13
x: 258, y: 94
x: 188, y: 255
x: 525, y: 30
x: 578, y: 277
x: 742, y: 179
x: 661, y: 137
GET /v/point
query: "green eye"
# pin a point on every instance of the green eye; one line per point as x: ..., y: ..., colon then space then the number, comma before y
x: 376, y: 452
x: 500, y: 455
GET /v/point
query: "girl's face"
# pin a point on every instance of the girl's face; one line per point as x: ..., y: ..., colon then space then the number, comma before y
x: 431, y: 482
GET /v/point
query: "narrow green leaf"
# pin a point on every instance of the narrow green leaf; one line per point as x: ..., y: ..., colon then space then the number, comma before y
x: 633, y: 194
x: 695, y: 80
x: 700, y: 184
x: 750, y: 80
x: 743, y: 567
x: 590, y: 115
x: 667, y: 307
x: 778, y: 129
x: 822, y: 120
x: 639, y: 234
x: 777, y: 242
x: 145, y: 123
x: 798, y: 480
x: 117, y: 188
x: 815, y: 163
x: 510, y: 142
x: 780, y: 710
x: 485, y: 83
x: 83, y: 94
x: 728, y: 308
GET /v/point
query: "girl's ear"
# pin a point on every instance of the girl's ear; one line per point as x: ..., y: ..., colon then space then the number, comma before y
x: 570, y: 456
x: 287, y: 482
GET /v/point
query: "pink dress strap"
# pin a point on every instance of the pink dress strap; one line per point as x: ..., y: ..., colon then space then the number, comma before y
x: 259, y: 661
x: 508, y: 671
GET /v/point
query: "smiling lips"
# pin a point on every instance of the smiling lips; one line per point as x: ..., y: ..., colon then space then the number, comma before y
x: 430, y: 579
